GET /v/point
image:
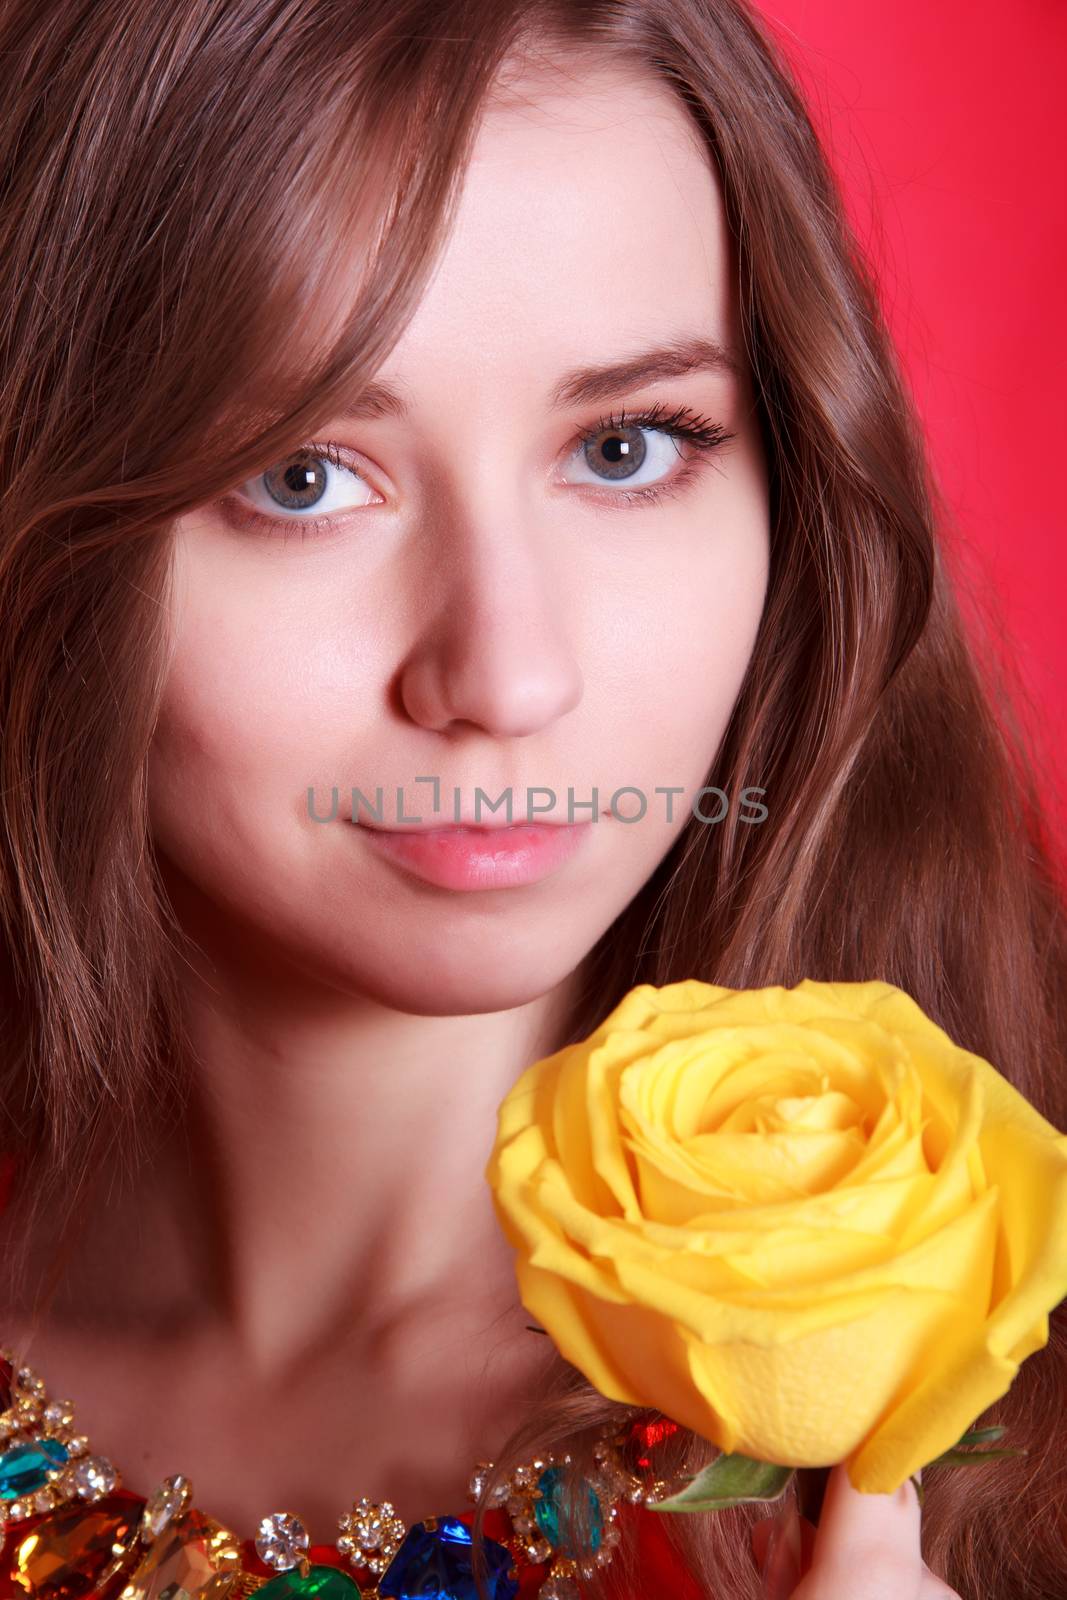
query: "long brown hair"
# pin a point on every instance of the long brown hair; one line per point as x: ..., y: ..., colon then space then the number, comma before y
x: 172, y: 321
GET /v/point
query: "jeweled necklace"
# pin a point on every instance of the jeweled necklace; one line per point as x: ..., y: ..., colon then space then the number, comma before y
x: 68, y: 1529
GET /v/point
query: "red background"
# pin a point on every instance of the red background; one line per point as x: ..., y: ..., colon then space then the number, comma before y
x: 944, y: 121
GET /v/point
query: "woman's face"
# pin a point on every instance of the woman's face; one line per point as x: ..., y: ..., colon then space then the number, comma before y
x: 493, y: 596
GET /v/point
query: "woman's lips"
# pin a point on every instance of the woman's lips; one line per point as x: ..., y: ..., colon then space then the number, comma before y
x: 480, y: 858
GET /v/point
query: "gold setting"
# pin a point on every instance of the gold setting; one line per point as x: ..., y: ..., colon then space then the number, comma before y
x: 621, y: 1480
x: 32, y: 1415
x: 614, y: 1482
x: 370, y: 1532
x: 518, y: 1494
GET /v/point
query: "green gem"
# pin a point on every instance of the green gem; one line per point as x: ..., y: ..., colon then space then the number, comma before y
x: 321, y: 1583
x: 547, y: 1510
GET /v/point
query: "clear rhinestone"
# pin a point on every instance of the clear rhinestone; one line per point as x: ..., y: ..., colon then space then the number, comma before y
x: 58, y: 1413
x: 479, y: 1479
x: 18, y: 1509
x: 371, y: 1534
x: 281, y: 1541
x: 29, y: 1382
x: 538, y: 1550
x: 43, y: 1500
x: 378, y: 1563
x: 93, y: 1477
x: 164, y: 1504
x: 615, y: 1479
x: 558, y: 1587
x: 79, y: 1445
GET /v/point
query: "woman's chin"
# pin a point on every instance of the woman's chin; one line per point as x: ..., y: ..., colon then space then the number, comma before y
x: 451, y: 989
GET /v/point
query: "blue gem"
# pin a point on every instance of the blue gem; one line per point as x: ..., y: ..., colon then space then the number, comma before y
x: 25, y: 1467
x: 437, y: 1564
x: 547, y: 1510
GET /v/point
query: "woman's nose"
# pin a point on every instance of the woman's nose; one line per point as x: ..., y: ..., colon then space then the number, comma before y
x: 494, y: 649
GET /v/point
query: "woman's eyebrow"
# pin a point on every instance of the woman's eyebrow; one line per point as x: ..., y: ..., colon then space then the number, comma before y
x: 583, y: 385
x: 677, y: 359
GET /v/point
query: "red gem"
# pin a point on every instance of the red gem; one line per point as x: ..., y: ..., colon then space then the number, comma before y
x: 643, y: 1439
x: 6, y: 1376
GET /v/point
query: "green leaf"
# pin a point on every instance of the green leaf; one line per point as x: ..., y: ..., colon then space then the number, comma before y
x: 729, y: 1480
x: 963, y: 1458
x: 977, y: 1435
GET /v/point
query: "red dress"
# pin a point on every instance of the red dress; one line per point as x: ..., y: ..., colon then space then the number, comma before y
x: 661, y: 1572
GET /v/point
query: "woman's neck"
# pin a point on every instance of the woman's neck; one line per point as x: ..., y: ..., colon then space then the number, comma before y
x: 312, y: 1256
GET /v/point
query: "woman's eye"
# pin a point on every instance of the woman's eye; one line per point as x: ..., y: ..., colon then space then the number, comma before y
x: 629, y: 455
x: 638, y: 459
x: 638, y: 452
x: 314, y: 481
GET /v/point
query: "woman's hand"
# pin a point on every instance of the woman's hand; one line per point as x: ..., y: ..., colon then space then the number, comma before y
x: 866, y: 1547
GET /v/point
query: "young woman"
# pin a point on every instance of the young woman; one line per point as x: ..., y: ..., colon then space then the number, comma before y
x: 416, y: 400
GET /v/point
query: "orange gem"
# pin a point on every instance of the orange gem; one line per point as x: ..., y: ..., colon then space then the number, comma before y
x: 193, y: 1558
x: 72, y: 1552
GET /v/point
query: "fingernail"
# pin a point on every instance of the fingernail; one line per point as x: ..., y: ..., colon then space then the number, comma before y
x: 781, y: 1565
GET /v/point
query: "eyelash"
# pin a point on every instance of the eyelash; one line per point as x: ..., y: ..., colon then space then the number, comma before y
x: 701, y: 432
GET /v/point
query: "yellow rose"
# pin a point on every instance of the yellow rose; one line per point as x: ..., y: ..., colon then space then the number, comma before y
x: 801, y: 1222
